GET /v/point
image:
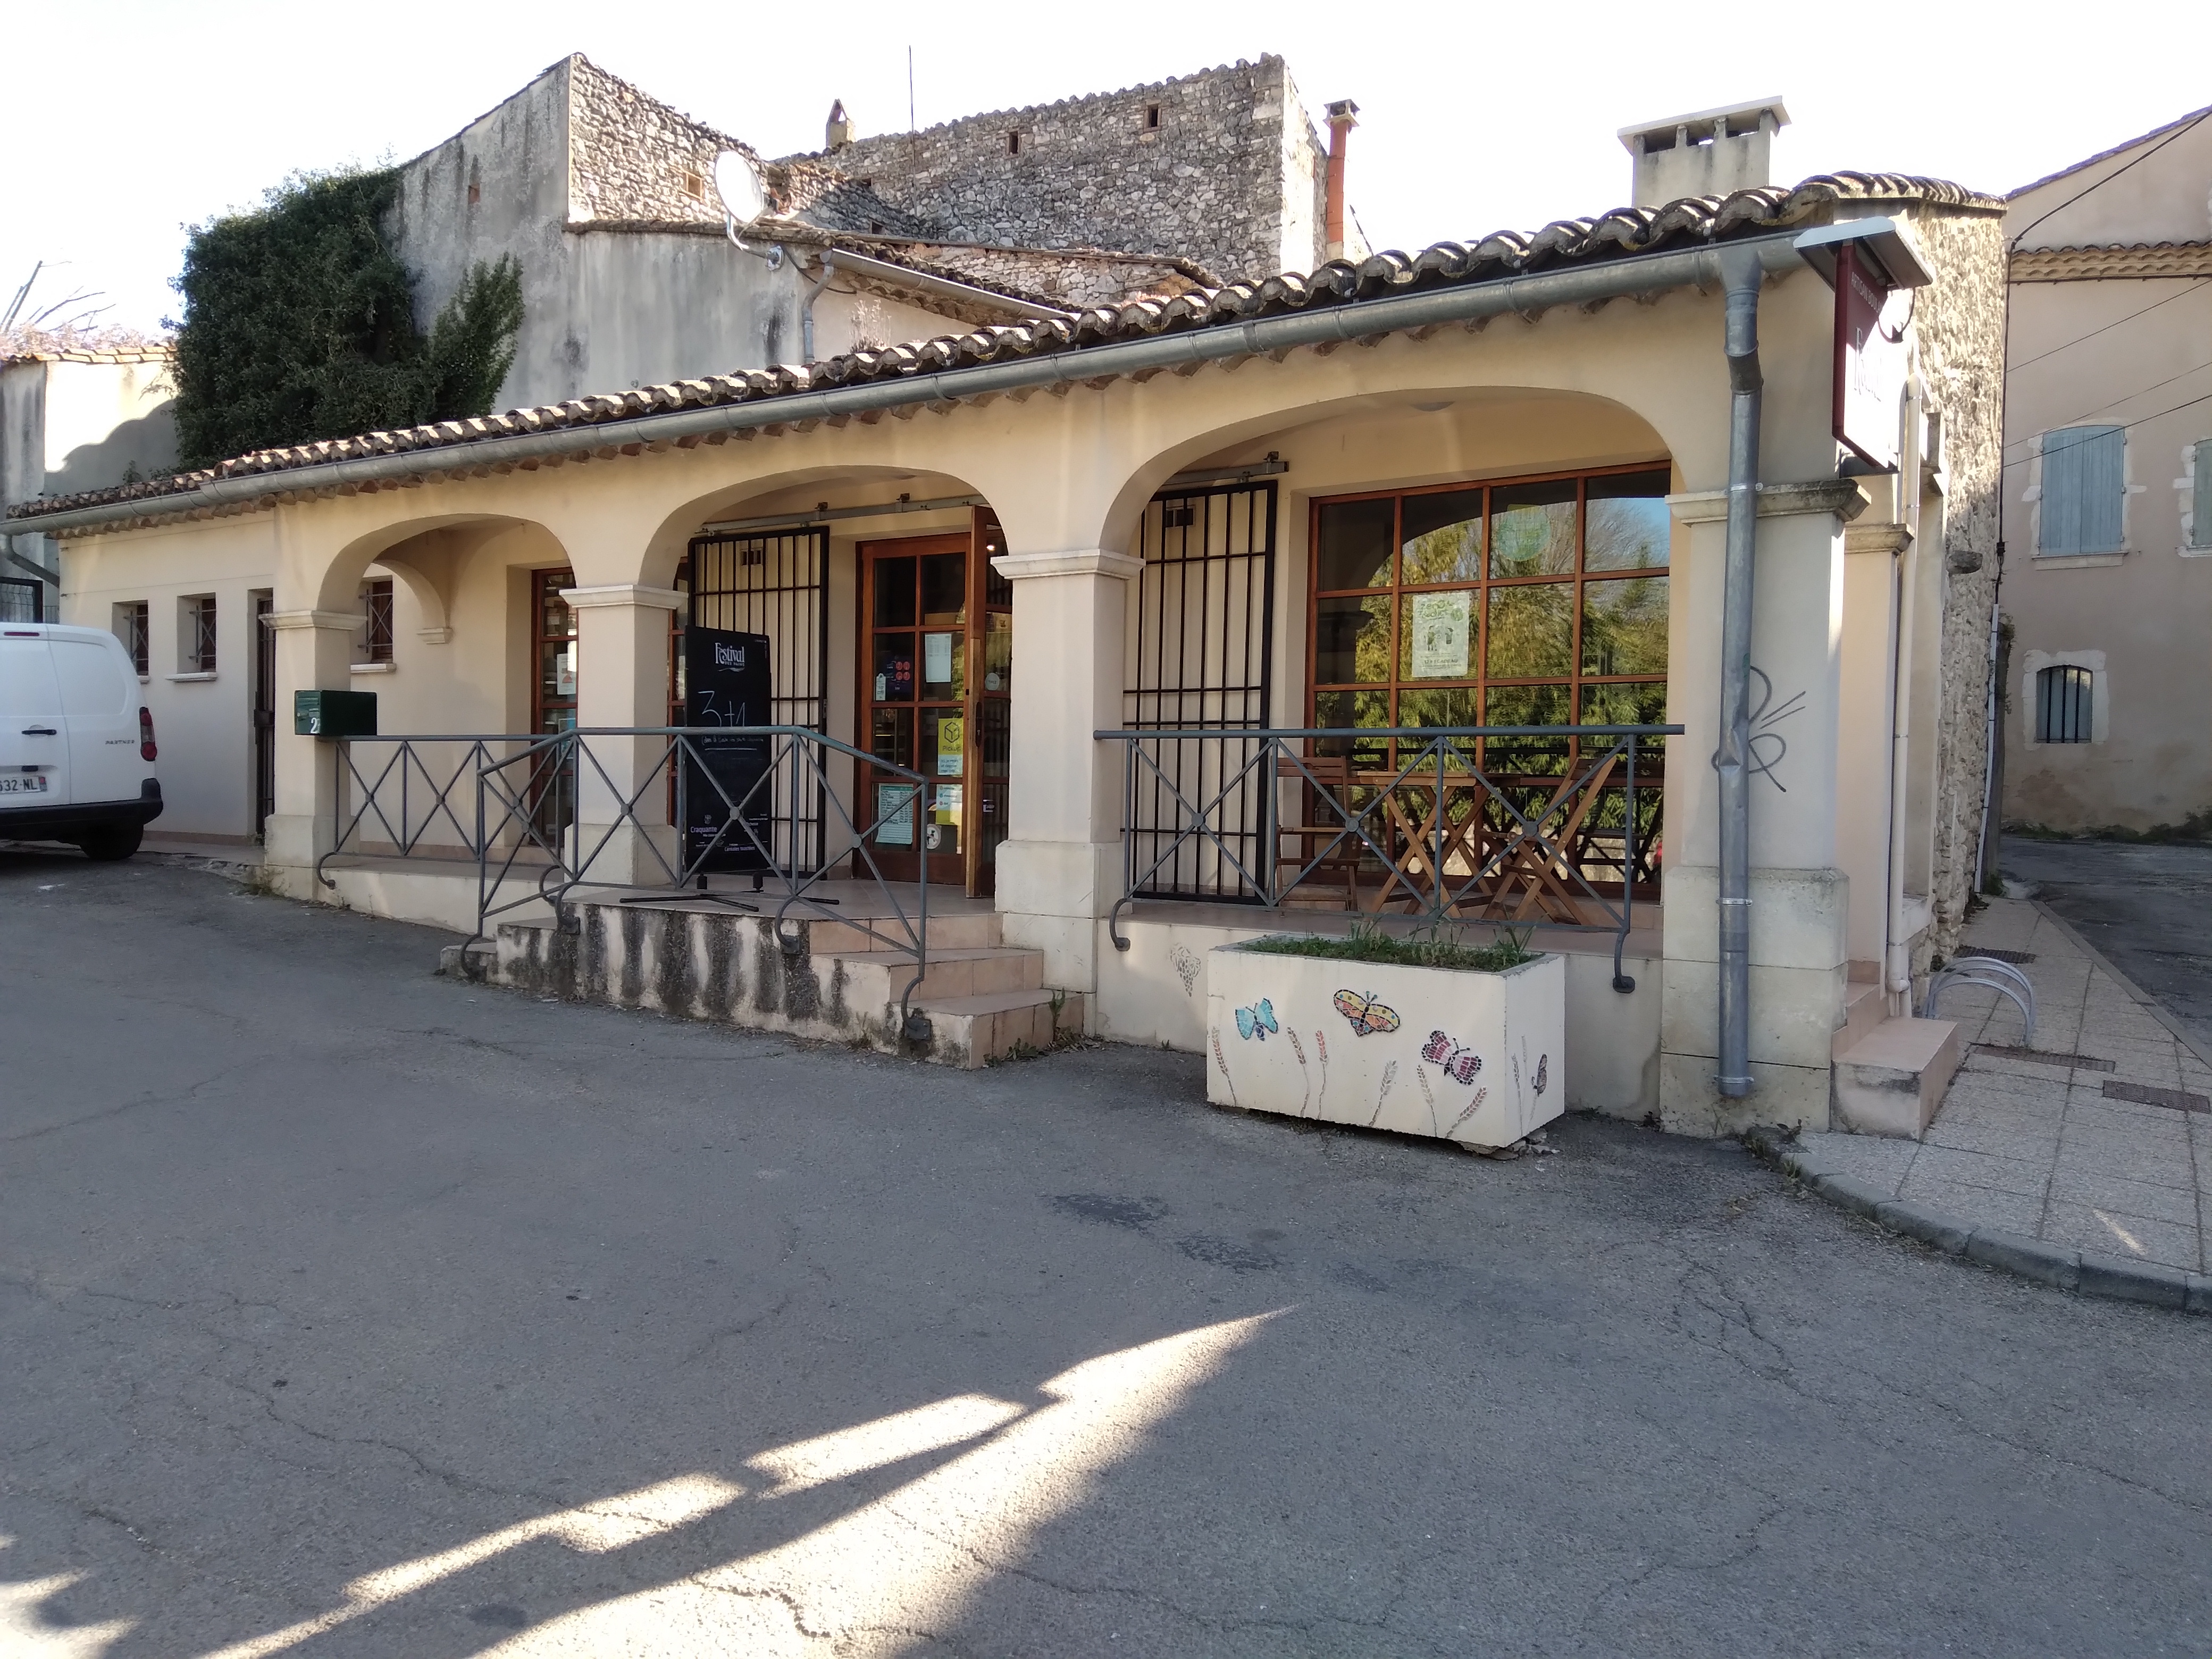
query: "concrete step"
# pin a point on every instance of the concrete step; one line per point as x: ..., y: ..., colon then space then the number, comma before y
x: 974, y: 1030
x: 1891, y: 1082
x: 876, y: 976
x: 961, y: 931
x: 1864, y: 1008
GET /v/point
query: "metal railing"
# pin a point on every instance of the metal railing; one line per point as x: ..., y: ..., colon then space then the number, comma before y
x: 559, y: 811
x: 1554, y: 825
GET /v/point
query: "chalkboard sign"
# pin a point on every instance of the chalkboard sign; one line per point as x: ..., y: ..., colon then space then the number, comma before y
x: 727, y: 683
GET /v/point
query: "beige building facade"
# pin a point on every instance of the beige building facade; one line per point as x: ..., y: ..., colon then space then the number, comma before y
x: 1518, y: 451
x: 2108, y: 492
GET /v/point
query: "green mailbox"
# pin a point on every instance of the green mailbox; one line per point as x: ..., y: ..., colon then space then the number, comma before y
x: 334, y: 714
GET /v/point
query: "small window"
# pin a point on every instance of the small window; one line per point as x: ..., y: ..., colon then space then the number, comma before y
x: 2084, y: 486
x: 1014, y: 143
x: 2200, y: 494
x: 376, y: 599
x: 196, y: 634
x: 695, y: 187
x: 2063, y: 704
x: 130, y: 629
x: 21, y: 599
x: 1152, y: 118
x: 476, y: 193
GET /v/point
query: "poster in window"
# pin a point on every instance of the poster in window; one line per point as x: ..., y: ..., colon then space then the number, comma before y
x: 895, y: 814
x: 1441, y: 627
x: 951, y: 745
x: 936, y: 659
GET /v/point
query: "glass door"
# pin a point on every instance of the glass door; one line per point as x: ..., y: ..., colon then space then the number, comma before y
x: 913, y: 667
x: 937, y: 671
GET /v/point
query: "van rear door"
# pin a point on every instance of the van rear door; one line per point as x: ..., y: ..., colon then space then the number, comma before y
x: 99, y: 708
x: 34, y: 743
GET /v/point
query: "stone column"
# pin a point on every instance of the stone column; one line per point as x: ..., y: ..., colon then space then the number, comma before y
x: 1060, y: 868
x: 621, y: 681
x: 1800, y: 899
x: 314, y: 652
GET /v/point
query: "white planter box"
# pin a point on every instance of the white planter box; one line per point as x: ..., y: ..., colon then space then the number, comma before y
x: 1470, y: 1057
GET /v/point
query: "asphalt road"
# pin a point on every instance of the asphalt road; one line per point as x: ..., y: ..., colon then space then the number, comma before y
x: 2148, y: 909
x: 344, y: 1311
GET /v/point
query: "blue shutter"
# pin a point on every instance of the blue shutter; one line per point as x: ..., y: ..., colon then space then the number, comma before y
x: 2084, y: 485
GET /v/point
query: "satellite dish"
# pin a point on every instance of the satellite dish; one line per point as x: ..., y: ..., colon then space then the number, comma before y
x: 739, y: 187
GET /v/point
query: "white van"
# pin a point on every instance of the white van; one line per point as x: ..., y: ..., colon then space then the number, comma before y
x: 77, y: 745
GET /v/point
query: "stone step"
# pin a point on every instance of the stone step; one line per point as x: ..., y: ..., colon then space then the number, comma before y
x: 960, y: 931
x: 873, y: 976
x: 1865, y: 1007
x: 972, y: 1031
x: 1891, y: 1082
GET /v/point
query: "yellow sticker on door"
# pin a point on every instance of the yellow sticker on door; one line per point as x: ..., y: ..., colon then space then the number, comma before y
x: 952, y: 743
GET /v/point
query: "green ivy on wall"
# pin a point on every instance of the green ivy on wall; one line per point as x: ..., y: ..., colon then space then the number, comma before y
x: 299, y: 325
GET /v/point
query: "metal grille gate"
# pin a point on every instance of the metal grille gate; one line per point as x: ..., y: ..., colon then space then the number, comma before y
x: 1202, y: 660
x: 776, y: 584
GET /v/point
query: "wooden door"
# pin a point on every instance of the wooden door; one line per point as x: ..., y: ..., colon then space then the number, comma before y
x: 936, y: 676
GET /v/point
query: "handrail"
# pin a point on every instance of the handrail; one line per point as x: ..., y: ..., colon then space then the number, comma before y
x: 1533, y: 848
x: 543, y: 806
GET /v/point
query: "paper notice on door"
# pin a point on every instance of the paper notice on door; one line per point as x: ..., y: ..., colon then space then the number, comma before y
x: 895, y: 814
x: 947, y: 808
x: 951, y: 745
x: 1440, y: 635
x: 936, y: 659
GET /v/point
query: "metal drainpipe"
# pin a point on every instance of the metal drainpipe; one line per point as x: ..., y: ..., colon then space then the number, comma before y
x: 807, y: 304
x: 1743, y: 278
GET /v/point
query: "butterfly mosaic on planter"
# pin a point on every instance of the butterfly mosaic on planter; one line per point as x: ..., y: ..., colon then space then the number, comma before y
x: 1367, y: 1017
x: 1257, y: 1021
x: 1460, y: 1063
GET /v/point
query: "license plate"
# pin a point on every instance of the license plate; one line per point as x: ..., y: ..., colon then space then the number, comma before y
x: 32, y: 783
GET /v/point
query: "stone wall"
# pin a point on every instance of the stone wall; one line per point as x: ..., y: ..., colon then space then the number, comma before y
x: 1960, y: 336
x: 633, y: 157
x: 1230, y: 176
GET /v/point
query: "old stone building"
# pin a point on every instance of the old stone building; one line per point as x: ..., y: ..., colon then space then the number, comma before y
x: 1223, y: 167
x: 606, y: 198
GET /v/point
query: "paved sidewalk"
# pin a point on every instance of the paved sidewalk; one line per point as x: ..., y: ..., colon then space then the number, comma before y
x: 2052, y: 1146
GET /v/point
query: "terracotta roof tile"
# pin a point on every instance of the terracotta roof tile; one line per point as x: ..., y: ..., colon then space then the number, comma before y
x: 1624, y: 231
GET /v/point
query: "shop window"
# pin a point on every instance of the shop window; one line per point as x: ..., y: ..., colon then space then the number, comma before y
x: 2065, y: 704
x: 2083, y: 489
x: 2199, y: 486
x: 1535, y: 602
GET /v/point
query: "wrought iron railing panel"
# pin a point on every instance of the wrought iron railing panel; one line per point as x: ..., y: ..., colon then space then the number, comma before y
x: 1549, y: 825
x: 483, y: 799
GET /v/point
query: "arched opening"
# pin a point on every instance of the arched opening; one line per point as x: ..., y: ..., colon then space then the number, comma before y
x: 1390, y: 568
x: 870, y: 595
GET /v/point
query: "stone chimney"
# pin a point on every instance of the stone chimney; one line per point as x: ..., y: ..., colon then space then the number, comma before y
x: 838, y: 131
x: 1708, y: 154
x: 1343, y: 116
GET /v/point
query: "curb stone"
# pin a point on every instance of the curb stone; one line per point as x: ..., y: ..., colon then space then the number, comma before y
x: 2085, y: 1272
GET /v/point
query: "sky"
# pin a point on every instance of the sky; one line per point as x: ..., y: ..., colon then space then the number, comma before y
x: 133, y: 121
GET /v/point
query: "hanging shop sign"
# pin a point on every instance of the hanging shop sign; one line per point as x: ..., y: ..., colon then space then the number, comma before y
x: 1871, y: 358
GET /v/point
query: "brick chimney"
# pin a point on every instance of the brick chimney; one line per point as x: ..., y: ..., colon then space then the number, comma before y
x: 1343, y: 116
x: 838, y: 132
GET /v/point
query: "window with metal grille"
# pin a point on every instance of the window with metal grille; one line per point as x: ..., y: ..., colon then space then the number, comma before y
x: 2064, y: 706
x: 21, y: 599
x: 777, y: 584
x: 196, y: 617
x: 2200, y: 494
x: 2084, y: 487
x: 376, y: 638
x: 1199, y: 661
x: 130, y: 624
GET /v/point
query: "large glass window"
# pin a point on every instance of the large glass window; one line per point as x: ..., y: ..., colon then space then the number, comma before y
x: 1534, y: 603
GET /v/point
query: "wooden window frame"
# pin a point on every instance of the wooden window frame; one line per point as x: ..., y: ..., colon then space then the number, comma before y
x: 1480, y: 681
